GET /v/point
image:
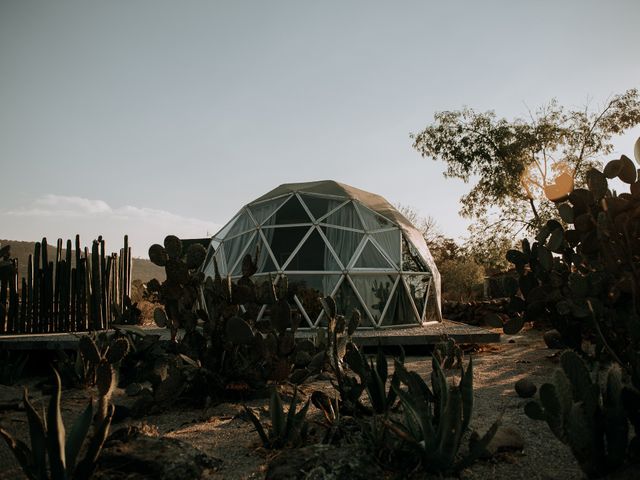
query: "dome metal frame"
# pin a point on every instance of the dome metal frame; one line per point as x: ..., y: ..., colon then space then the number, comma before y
x: 362, y: 253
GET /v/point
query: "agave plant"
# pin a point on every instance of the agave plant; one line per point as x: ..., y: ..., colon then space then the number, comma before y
x: 435, y: 418
x: 286, y: 429
x: 48, y: 441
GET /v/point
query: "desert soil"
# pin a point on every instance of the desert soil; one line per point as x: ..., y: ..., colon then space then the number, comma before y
x: 222, y: 431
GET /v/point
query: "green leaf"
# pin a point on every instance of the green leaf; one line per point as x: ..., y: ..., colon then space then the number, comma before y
x: 556, y: 240
x: 88, y: 464
x: 291, y: 414
x: 381, y: 366
x: 22, y: 454
x: 353, y: 358
x: 466, y: 390
x: 77, y: 435
x: 516, y: 257
x: 553, y: 409
x: 258, y: 426
x: 597, y: 183
x: 276, y: 413
x: 566, y: 212
x: 56, y: 433
x: 582, y: 437
x: 545, y: 258
x: 627, y: 173
x: 450, y: 430
x: 584, y: 389
x: 38, y: 436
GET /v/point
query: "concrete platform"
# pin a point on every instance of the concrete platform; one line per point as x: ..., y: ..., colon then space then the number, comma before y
x: 420, y: 335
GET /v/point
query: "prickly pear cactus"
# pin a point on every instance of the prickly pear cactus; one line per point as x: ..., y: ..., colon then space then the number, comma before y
x: 590, y: 418
x: 581, y: 272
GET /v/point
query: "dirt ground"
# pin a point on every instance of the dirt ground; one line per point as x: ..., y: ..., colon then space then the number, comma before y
x: 222, y: 432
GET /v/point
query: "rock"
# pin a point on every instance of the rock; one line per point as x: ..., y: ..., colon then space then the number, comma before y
x: 506, y: 439
x: 130, y: 453
x: 553, y: 339
x: 525, y: 388
x: 324, y: 461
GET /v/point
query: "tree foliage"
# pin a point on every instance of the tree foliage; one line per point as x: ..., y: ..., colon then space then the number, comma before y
x: 522, y: 165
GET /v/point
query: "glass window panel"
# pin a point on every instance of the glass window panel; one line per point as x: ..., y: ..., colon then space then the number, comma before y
x: 347, y: 301
x: 225, y: 230
x: 319, y: 206
x: 309, y: 289
x: 345, y: 217
x: 210, y: 270
x: 372, y: 220
x: 371, y: 258
x: 314, y: 255
x: 234, y: 248
x: 344, y: 242
x: 399, y: 311
x: 292, y: 212
x: 432, y: 312
x: 241, y: 225
x: 390, y: 243
x: 283, y: 241
x: 264, y: 262
x: 261, y: 211
x: 411, y: 260
x: 375, y: 291
x: 418, y: 286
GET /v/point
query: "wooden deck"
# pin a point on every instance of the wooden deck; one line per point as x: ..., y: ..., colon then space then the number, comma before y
x: 419, y: 335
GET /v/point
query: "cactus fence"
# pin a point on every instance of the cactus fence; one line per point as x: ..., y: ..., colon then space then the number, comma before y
x: 75, y: 291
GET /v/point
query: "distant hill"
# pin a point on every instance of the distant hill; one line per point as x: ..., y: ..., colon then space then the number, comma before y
x: 141, y: 269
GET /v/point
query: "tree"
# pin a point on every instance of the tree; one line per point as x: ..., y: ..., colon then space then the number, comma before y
x: 523, y: 166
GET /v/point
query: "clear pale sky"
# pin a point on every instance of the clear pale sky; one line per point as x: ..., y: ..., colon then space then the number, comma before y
x: 154, y: 117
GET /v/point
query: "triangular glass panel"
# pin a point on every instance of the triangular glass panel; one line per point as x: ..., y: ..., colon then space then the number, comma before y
x: 241, y: 225
x: 313, y: 256
x: 263, y: 210
x: 418, y: 288
x: 319, y: 206
x: 309, y: 289
x: 370, y: 257
x: 345, y: 217
x: 234, y: 248
x: 344, y: 242
x: 224, y: 231
x: 347, y: 300
x: 209, y: 267
x: 284, y: 240
x: 292, y: 212
x: 399, y: 310
x: 264, y: 262
x: 411, y: 260
x: 389, y: 242
x: 372, y: 220
x: 375, y: 291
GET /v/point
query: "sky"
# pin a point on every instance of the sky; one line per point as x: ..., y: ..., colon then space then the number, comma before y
x: 151, y: 117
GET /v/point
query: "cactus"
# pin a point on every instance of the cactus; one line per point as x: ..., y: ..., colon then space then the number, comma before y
x: 48, y: 440
x: 93, y: 356
x: 581, y: 271
x: 591, y: 419
x: 435, y: 418
x: 286, y: 429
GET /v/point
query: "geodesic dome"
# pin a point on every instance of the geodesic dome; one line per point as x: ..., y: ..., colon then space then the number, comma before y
x: 329, y: 238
